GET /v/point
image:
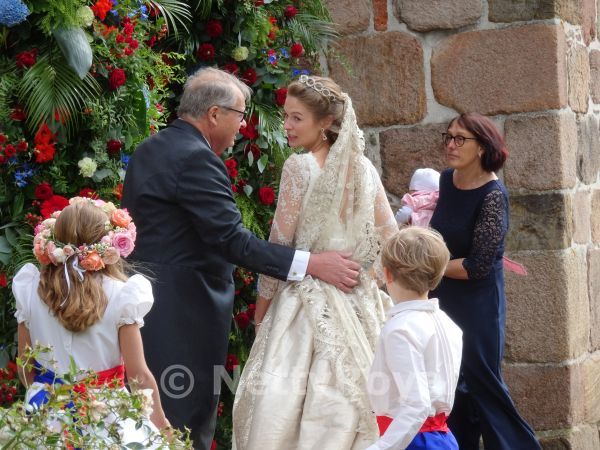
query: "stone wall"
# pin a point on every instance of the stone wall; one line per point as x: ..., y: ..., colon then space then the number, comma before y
x: 534, y: 67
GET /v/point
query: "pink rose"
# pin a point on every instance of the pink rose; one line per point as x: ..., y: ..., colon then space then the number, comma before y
x: 92, y: 261
x: 111, y: 256
x: 38, y: 251
x: 69, y: 251
x: 120, y: 218
x: 132, y: 231
x: 49, y: 249
x: 123, y: 243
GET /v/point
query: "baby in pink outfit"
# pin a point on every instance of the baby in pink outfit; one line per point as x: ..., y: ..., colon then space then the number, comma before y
x: 418, y: 205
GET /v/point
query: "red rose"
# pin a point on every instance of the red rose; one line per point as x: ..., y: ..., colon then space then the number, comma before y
x: 101, y: 7
x: 17, y: 114
x: 231, y: 362
x: 296, y: 50
x: 255, y: 149
x: 118, y: 191
x: 206, y: 52
x: 230, y: 163
x: 152, y: 41
x: 113, y: 147
x: 133, y: 44
x: 290, y: 11
x: 44, y: 135
x: 214, y: 28
x: 26, y: 59
x: 242, y: 320
x: 43, y: 191
x: 3, y: 282
x: 54, y: 203
x: 3, y: 138
x: 88, y: 193
x: 22, y: 146
x: 249, y: 76
x: 251, y: 310
x: 10, y: 150
x: 213, y: 446
x: 44, y: 152
x: 116, y: 79
x: 259, y: 2
x: 249, y: 131
x: 266, y: 195
x: 233, y: 173
x: 120, y: 38
x: 231, y: 68
x: 2, y: 158
x: 280, y: 96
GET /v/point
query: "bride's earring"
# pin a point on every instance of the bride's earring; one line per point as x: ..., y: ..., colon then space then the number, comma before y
x: 323, y: 135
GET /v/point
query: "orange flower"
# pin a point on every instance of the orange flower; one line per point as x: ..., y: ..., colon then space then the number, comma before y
x: 120, y: 218
x: 92, y: 261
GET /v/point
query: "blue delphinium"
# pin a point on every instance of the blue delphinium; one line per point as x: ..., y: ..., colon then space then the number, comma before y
x: 125, y: 160
x: 22, y: 175
x: 284, y: 52
x: 12, y: 12
x: 296, y: 72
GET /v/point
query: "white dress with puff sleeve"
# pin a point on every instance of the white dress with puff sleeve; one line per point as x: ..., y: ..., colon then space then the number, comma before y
x: 96, y: 348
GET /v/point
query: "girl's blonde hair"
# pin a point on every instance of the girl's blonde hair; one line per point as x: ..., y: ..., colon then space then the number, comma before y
x: 84, y: 302
x: 416, y: 257
x: 323, y: 101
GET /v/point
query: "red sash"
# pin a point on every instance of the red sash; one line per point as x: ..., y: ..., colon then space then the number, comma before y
x: 112, y: 378
x: 435, y: 423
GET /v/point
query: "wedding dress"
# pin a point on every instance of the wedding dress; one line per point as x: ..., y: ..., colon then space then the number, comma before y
x: 304, y: 384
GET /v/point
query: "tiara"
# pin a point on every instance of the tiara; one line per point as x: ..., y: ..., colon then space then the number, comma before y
x: 119, y: 240
x: 317, y: 86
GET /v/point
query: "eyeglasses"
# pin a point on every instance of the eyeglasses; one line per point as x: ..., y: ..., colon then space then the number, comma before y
x: 458, y: 140
x: 241, y: 113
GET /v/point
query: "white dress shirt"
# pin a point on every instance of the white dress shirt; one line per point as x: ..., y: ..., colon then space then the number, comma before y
x: 415, y: 369
x: 299, y: 265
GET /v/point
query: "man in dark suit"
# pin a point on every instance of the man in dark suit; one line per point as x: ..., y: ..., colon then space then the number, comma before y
x: 190, y: 236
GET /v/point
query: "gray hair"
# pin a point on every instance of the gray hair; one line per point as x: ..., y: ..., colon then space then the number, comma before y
x: 209, y: 87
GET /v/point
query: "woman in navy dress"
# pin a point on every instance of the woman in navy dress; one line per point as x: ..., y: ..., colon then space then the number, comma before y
x: 472, y: 216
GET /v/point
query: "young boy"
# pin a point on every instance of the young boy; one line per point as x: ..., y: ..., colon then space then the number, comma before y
x: 417, y: 359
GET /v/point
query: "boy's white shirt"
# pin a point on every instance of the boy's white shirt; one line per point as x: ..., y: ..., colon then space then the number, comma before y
x: 415, y: 369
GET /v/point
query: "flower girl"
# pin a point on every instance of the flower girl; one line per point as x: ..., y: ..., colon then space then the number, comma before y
x: 87, y: 314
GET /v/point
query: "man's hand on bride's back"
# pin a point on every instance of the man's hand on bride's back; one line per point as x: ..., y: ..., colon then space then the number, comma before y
x: 334, y: 268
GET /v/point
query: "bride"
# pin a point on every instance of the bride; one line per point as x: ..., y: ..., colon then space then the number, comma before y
x: 304, y: 385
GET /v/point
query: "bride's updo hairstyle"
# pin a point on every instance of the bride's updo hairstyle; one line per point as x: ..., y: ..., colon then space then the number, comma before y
x: 323, y: 97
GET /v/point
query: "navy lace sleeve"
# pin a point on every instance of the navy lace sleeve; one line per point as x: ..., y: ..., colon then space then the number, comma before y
x: 488, y: 235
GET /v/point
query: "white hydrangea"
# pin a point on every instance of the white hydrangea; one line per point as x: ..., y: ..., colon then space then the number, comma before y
x: 87, y: 167
x: 240, y: 53
x: 85, y: 16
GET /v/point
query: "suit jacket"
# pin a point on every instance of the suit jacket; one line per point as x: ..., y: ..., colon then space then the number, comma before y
x: 190, y: 236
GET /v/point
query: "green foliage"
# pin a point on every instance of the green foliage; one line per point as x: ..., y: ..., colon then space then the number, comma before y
x: 53, y: 14
x: 50, y: 87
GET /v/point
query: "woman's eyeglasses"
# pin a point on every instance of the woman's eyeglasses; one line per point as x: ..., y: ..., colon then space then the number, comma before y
x: 458, y: 140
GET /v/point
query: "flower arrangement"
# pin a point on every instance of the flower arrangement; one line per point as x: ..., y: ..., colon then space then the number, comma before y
x: 79, y: 414
x: 83, y: 82
x: 119, y: 241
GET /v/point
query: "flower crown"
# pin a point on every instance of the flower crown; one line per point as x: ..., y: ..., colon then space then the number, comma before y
x: 318, y: 86
x: 118, y: 242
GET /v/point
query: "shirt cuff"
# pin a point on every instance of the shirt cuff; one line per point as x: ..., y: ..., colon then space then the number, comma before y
x: 299, y: 265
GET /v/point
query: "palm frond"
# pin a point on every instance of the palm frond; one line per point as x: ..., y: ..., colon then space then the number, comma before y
x: 174, y: 12
x: 314, y: 32
x: 203, y: 8
x: 52, y: 86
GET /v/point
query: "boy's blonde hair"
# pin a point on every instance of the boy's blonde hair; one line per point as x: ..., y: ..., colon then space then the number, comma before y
x: 416, y: 257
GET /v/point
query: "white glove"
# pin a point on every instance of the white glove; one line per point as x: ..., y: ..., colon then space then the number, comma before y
x: 403, y: 214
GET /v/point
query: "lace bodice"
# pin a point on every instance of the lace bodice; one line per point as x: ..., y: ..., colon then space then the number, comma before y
x: 363, y: 237
x: 473, y: 223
